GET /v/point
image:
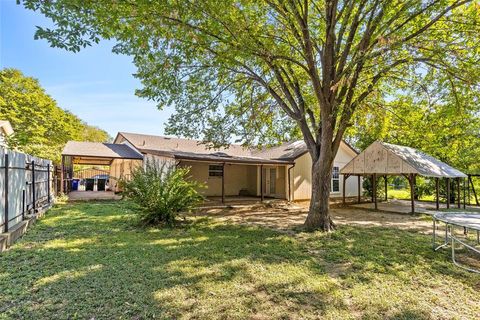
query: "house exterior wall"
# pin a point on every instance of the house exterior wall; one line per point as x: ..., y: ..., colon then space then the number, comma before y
x: 121, y: 169
x: 237, y: 177
x: 301, y: 175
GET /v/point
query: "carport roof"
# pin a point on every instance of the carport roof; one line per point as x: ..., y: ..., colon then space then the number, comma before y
x: 387, y: 158
x: 100, y: 150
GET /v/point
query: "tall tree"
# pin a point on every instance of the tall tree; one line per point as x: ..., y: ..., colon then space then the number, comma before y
x: 41, y: 127
x: 241, y: 67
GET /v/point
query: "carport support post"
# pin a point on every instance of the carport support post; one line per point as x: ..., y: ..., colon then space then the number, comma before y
x: 374, y: 190
x: 448, y: 193
x: 386, y: 188
x: 458, y: 194
x: 464, y: 195
x: 223, y: 182
x: 62, y: 168
x: 358, y: 186
x: 345, y: 177
x: 412, y: 191
x: 437, y: 194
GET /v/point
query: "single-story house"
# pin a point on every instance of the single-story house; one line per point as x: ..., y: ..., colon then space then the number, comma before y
x: 282, y: 172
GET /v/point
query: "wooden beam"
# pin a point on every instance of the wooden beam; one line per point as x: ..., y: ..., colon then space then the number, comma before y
x: 62, y: 186
x: 458, y: 194
x: 261, y: 183
x: 464, y: 194
x: 437, y: 193
x: 374, y: 190
x: 359, y: 189
x: 345, y: 177
x: 448, y: 193
x: 386, y: 187
x: 223, y: 182
x: 412, y: 191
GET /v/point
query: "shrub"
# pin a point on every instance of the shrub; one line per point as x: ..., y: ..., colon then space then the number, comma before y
x: 162, y: 192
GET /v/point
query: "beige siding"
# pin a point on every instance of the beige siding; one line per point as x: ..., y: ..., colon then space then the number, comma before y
x: 302, y: 175
x: 237, y: 177
x: 121, y: 169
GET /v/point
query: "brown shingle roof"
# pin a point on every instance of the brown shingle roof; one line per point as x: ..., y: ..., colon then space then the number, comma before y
x: 100, y: 150
x: 286, y: 152
x: 161, y: 143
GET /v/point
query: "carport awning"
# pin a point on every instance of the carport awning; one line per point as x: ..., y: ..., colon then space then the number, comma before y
x: 97, y: 153
x: 389, y: 159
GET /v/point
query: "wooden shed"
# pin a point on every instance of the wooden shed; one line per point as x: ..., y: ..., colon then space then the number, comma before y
x: 385, y: 159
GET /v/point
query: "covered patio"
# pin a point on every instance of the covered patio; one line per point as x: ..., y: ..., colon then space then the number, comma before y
x: 382, y: 159
x: 100, y: 165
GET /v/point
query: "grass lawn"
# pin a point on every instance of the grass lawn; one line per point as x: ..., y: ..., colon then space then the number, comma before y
x: 92, y: 261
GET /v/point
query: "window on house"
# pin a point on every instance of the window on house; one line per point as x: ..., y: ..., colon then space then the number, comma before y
x: 336, y: 179
x: 215, y: 171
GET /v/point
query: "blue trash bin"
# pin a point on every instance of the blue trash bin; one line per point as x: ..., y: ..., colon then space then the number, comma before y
x: 75, y: 183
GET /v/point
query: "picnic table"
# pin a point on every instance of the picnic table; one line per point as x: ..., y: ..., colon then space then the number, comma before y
x: 452, y: 220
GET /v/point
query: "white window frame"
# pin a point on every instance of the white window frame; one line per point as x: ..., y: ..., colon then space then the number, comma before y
x: 335, y: 177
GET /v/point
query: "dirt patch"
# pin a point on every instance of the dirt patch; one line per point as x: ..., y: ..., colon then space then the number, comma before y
x: 283, y: 216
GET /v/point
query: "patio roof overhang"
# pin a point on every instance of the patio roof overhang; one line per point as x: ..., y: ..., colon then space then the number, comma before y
x: 216, y: 158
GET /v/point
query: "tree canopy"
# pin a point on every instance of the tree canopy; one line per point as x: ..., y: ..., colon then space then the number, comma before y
x: 267, y: 70
x: 41, y: 127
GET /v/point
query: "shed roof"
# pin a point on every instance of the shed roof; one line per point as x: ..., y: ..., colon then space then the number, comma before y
x: 386, y: 158
x: 100, y: 150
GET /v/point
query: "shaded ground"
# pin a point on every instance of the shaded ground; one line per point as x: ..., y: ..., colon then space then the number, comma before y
x: 281, y: 216
x: 92, y: 195
x: 93, y: 261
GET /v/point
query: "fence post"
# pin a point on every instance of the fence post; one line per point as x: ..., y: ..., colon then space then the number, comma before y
x: 6, y: 192
x: 48, y: 183
x: 34, y: 196
x: 24, y: 198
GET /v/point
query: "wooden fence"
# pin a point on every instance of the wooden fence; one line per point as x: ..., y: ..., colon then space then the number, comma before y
x: 26, y: 187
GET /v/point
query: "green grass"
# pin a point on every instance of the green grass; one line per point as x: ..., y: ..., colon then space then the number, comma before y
x: 92, y: 260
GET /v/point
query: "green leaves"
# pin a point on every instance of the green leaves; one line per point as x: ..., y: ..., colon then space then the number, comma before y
x: 162, y: 192
x: 41, y: 127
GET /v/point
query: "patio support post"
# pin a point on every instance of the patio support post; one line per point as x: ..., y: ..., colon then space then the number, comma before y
x: 412, y: 191
x: 437, y: 194
x: 62, y: 168
x: 359, y: 189
x: 261, y: 182
x: 448, y: 193
x: 464, y: 195
x: 223, y: 182
x: 386, y: 187
x: 374, y: 190
x: 458, y: 194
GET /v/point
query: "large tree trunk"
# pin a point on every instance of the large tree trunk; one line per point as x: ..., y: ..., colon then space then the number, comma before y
x: 319, y: 213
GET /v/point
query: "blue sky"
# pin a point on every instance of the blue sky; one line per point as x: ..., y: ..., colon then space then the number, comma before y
x: 95, y: 84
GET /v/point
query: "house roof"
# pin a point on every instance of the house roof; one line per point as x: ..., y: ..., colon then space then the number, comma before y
x: 161, y: 143
x: 100, y: 150
x: 290, y: 150
x: 386, y: 158
x: 215, y: 157
x: 285, y: 153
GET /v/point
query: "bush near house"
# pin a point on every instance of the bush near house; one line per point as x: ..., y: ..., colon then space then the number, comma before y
x: 162, y: 192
